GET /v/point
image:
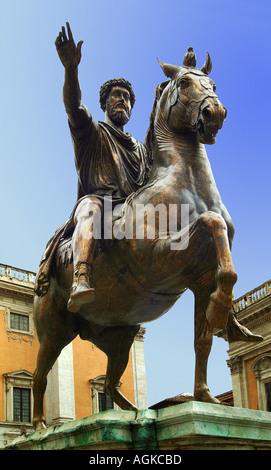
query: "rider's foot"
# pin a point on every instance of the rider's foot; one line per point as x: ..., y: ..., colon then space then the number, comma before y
x: 81, y: 292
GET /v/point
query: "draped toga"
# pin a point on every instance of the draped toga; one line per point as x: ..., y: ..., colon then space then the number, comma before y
x: 109, y: 163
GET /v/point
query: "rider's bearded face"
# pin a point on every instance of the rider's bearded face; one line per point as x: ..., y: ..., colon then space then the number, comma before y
x: 118, y: 105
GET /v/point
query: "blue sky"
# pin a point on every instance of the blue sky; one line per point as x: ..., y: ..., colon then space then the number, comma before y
x: 124, y: 38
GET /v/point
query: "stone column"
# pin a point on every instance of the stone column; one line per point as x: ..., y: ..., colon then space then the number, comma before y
x: 59, y: 396
x: 139, y: 372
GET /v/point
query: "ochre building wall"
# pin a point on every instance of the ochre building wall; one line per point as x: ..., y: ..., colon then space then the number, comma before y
x: 15, y: 354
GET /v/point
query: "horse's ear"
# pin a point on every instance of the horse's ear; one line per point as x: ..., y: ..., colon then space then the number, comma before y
x: 168, y: 69
x: 207, y: 67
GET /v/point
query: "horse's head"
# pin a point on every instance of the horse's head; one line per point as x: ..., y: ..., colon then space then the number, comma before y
x: 188, y: 101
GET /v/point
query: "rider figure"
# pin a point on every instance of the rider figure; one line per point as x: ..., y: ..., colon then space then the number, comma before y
x: 109, y: 162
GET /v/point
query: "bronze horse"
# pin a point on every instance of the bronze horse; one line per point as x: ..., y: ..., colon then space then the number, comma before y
x: 139, y: 279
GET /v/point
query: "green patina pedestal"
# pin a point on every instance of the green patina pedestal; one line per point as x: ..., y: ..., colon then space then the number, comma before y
x: 188, y: 426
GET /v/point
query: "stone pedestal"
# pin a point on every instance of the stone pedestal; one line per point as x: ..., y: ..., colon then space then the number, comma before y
x: 188, y: 426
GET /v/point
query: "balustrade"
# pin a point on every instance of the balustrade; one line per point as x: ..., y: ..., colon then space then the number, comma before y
x: 19, y: 275
x: 252, y: 296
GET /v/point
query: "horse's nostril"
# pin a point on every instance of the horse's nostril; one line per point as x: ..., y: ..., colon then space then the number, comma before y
x: 225, y: 113
x: 207, y: 114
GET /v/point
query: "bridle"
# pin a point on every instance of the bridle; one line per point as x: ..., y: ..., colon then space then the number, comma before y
x: 175, y: 97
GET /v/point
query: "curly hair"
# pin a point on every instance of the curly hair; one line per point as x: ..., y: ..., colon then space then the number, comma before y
x: 106, y: 87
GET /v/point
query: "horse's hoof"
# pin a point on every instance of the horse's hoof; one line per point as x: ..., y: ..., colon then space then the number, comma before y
x: 39, y: 425
x: 205, y: 396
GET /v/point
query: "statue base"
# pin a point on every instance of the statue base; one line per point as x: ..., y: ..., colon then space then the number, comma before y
x: 188, y: 426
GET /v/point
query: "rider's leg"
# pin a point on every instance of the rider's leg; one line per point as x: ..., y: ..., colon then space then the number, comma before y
x: 87, y: 220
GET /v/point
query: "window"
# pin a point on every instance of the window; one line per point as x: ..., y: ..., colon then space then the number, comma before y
x: 19, y: 322
x: 100, y: 401
x: 21, y: 405
x: 105, y: 403
x: 19, y: 396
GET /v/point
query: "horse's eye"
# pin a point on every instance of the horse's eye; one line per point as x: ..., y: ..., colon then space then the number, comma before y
x: 184, y: 83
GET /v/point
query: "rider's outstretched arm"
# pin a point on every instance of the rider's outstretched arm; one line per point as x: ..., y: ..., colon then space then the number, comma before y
x: 70, y: 56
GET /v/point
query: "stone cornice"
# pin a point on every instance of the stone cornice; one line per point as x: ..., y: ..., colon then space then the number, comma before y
x: 16, y: 291
x: 256, y: 317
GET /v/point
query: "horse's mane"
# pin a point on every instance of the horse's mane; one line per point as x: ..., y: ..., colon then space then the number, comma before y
x: 169, y: 70
x: 149, y: 138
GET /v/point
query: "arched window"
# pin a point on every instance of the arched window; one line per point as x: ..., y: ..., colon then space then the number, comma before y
x: 262, y: 370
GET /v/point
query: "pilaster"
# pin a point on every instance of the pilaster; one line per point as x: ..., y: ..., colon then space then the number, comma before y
x: 59, y: 396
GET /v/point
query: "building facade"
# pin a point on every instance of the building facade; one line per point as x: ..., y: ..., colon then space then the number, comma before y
x: 250, y: 362
x: 75, y: 383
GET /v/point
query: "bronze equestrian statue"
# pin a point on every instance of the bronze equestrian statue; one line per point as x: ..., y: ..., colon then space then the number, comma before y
x: 124, y: 281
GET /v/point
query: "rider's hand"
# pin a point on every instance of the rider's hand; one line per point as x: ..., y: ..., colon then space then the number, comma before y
x: 69, y: 53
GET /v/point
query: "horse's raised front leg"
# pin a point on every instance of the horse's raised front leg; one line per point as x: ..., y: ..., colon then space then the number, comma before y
x: 203, y: 246
x: 207, y: 247
x: 220, y: 302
